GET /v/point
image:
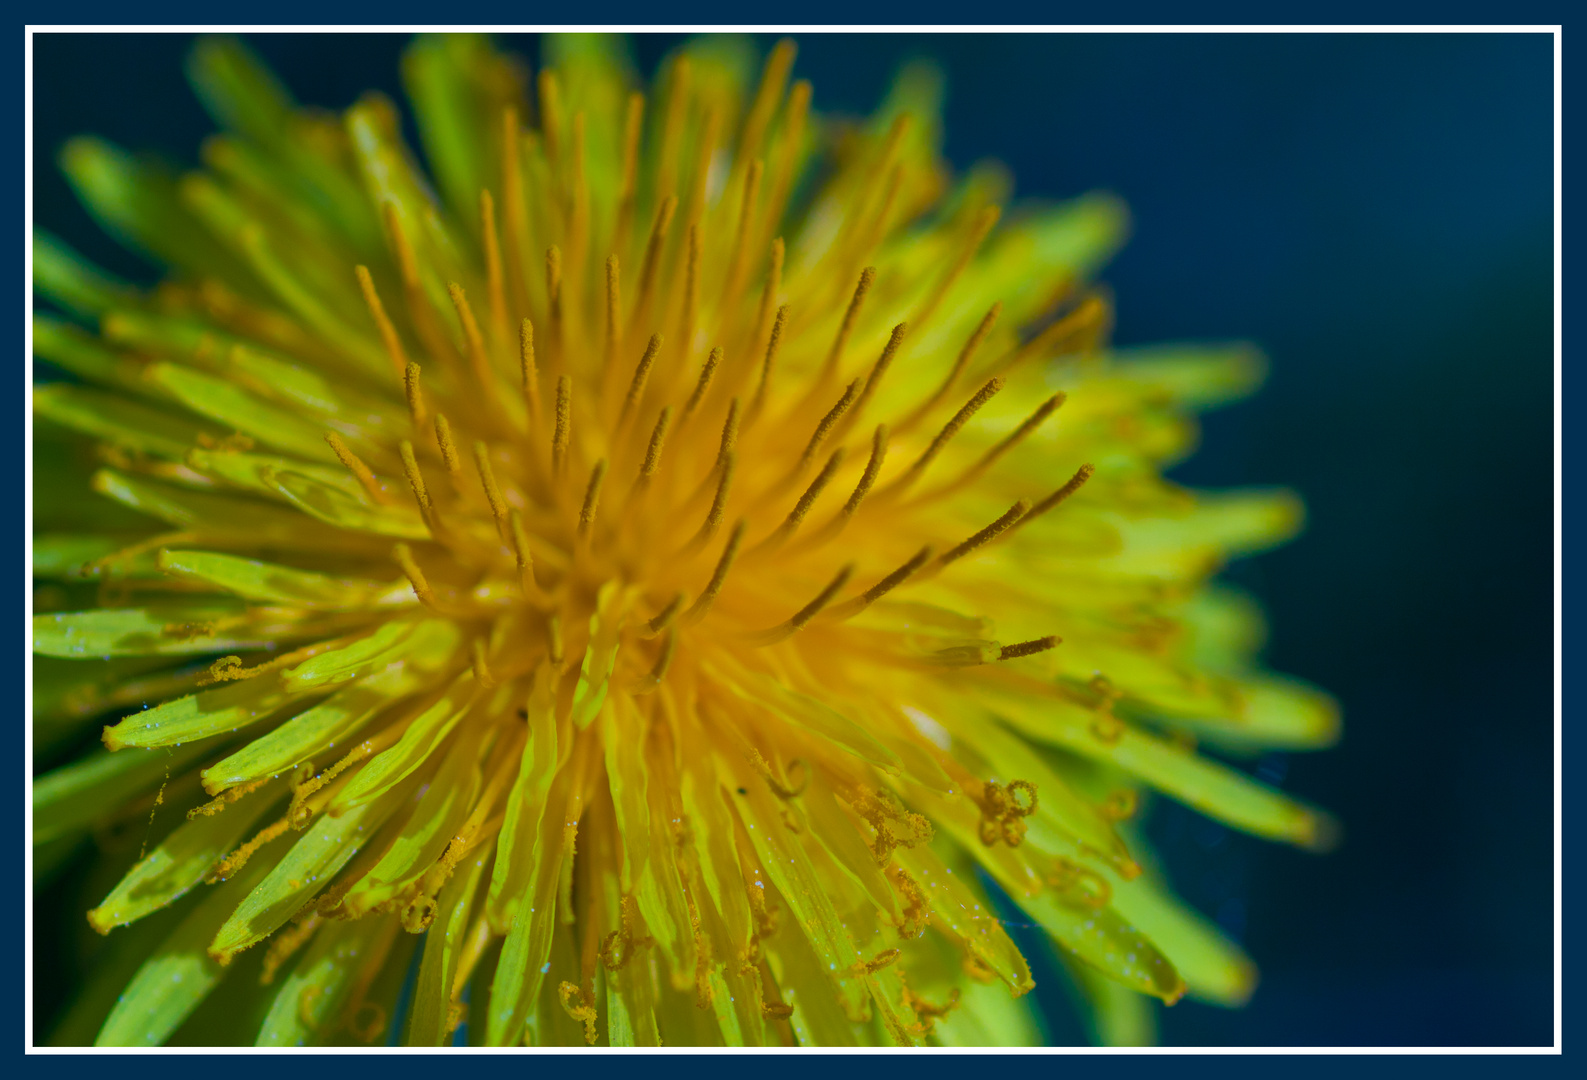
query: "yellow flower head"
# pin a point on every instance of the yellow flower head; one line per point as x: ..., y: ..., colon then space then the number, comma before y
x: 674, y: 564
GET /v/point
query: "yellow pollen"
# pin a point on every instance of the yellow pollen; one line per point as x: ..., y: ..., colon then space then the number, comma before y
x: 986, y: 535
x: 421, y: 588
x: 592, y: 498
x: 851, y: 608
x: 879, y: 369
x: 487, y: 479
x: 706, y: 372
x: 359, y: 470
x: 824, y: 428
x: 1029, y: 648
x: 559, y: 436
x: 377, y: 311
x: 658, y: 437
x: 698, y: 609
x: 1072, y: 485
x: 835, y: 354
x: 527, y: 369
x: 449, y: 455
x: 949, y: 430
x: 769, y: 360
x: 410, y: 469
x: 636, y: 386
x: 801, y: 618
x: 415, y: 393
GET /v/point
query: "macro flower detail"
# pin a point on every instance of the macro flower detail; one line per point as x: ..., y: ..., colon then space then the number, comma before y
x: 665, y: 580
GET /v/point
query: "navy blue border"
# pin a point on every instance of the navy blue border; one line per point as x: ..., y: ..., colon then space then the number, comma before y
x: 1225, y: 1067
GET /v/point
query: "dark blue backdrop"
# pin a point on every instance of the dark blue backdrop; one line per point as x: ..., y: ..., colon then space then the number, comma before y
x: 1373, y: 210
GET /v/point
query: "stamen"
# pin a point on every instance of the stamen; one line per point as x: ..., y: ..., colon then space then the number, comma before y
x: 768, y: 296
x: 517, y: 218
x: 740, y: 252
x: 1072, y: 485
x: 801, y: 508
x: 669, y: 645
x: 774, y: 76
x: 443, y: 438
x: 872, y: 467
x: 828, y: 421
x: 554, y: 292
x: 978, y: 232
x: 1084, y: 324
x: 632, y: 121
x: 672, y: 123
x: 530, y: 374
x: 520, y: 550
x: 713, y: 518
x: 647, y: 270
x: 802, y: 617
x: 729, y: 433
x: 592, y: 498
x: 487, y: 479
x: 359, y: 470
x: 986, y: 535
x: 551, y: 114
x: 636, y: 386
x: 482, y: 673
x: 658, y: 436
x: 421, y: 588
x: 851, y: 608
x: 700, y: 387
x: 691, y: 288
x: 410, y: 469
x: 879, y: 369
x: 410, y: 386
x: 1029, y: 648
x: 835, y: 355
x: 614, y: 306
x: 388, y: 332
x: 769, y: 360
x: 959, y: 364
x: 496, y: 285
x: 1034, y: 421
x: 559, y: 436
x: 949, y: 430
x: 698, y: 609
x: 664, y: 617
x: 478, y: 358
x: 418, y: 304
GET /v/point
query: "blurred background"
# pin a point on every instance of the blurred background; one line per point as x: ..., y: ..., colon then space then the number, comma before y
x: 1375, y: 212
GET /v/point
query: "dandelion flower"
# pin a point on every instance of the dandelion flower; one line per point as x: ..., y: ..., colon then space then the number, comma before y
x: 653, y: 579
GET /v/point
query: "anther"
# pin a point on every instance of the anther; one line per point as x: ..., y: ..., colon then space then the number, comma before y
x: 449, y: 455
x: 410, y: 469
x: 872, y: 467
x: 1072, y: 485
x: 614, y: 307
x: 851, y: 608
x: 835, y: 355
x: 636, y: 386
x: 729, y: 432
x: 664, y: 617
x: 421, y: 588
x: 388, y: 332
x: 824, y: 428
x: 1011, y: 517
x: 1029, y: 648
x: 746, y: 217
x: 769, y: 360
x: 359, y: 470
x: 592, y: 498
x: 698, y: 609
x: 949, y: 430
x: 493, y: 273
x: 768, y: 297
x: 802, y: 617
x: 879, y: 369
x: 527, y: 369
x: 520, y: 549
x: 554, y: 290
x: 487, y: 479
x: 959, y: 364
x: 652, y: 257
x: 1014, y: 438
x: 691, y: 287
x: 979, y: 230
x: 801, y: 508
x: 410, y: 385
x: 669, y: 645
x: 479, y: 360
x: 706, y: 372
x: 559, y: 436
x: 481, y: 668
x: 658, y: 437
x: 713, y: 517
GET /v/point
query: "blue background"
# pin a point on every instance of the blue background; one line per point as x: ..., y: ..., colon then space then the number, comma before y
x: 1375, y: 211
